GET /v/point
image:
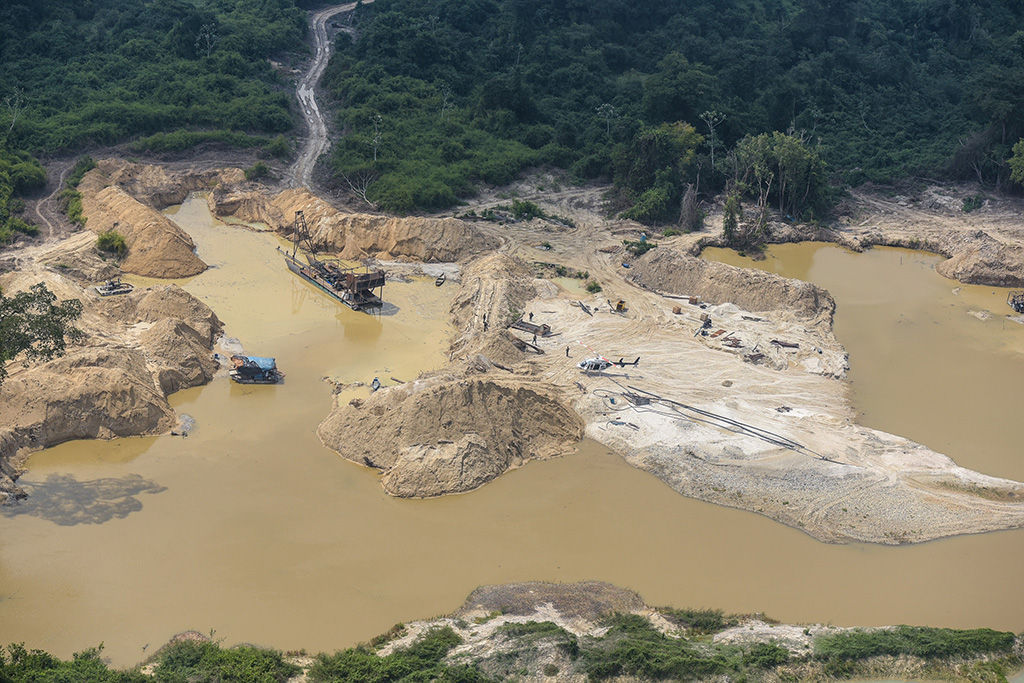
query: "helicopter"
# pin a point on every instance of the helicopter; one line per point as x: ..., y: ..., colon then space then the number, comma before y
x: 601, y: 363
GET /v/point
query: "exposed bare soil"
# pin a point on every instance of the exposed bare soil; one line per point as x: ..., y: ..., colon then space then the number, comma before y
x: 752, y: 417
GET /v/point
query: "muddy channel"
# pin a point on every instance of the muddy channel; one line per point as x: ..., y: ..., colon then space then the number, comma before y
x: 249, y: 529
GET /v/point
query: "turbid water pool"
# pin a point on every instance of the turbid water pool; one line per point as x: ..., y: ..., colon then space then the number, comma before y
x: 249, y: 529
x: 931, y: 359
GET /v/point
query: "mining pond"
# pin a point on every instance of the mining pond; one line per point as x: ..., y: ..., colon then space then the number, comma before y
x: 251, y: 531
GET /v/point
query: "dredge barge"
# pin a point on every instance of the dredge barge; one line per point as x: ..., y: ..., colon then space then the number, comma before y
x: 355, y: 290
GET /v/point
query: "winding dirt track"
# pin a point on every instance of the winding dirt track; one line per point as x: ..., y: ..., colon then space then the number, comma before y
x: 301, y: 173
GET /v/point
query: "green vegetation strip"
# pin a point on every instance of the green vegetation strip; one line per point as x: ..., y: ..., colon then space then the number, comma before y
x: 631, y: 647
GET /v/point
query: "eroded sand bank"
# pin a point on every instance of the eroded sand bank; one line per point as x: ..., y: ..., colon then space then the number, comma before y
x: 772, y: 431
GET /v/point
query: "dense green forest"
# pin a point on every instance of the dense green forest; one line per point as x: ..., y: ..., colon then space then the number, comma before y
x: 165, y: 74
x: 658, y: 96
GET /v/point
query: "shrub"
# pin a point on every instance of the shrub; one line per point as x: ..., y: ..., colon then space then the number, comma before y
x: 638, y: 248
x: 112, y: 242
x: 421, y: 661
x: 915, y: 641
x: 18, y: 225
x: 81, y: 167
x: 766, y: 656
x: 205, y: 661
x: 70, y: 202
x: 278, y: 147
x: 257, y: 170
x: 973, y: 202
x: 593, y: 287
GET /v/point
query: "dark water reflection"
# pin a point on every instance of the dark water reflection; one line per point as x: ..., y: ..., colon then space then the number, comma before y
x: 66, y: 501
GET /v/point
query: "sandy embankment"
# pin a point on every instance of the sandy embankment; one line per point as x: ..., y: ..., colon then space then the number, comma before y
x: 775, y: 435
x: 815, y: 470
x: 139, y: 348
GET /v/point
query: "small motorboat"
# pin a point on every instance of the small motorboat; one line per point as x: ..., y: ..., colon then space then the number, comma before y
x: 1016, y: 301
x: 255, y: 370
x: 112, y: 287
x: 440, y: 280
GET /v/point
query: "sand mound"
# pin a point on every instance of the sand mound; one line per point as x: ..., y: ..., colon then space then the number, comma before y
x: 433, y: 437
x: 495, y: 289
x: 589, y: 600
x: 751, y: 290
x: 156, y: 246
x: 117, y: 195
x: 356, y: 236
x: 159, y: 187
x: 977, y: 258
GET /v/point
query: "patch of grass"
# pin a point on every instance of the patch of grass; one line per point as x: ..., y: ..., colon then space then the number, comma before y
x: 914, y: 641
x: 702, y: 621
x: 181, y: 140
x: 396, y: 631
x: 496, y: 613
x: 421, y: 661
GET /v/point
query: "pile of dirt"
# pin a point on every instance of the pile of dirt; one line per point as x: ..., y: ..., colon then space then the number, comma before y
x: 977, y: 258
x: 441, y: 435
x: 126, y: 197
x: 752, y: 290
x: 156, y: 246
x: 138, y: 349
x: 495, y: 291
x: 356, y: 236
x: 158, y: 187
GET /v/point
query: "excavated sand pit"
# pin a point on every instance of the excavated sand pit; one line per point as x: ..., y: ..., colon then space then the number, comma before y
x: 500, y: 403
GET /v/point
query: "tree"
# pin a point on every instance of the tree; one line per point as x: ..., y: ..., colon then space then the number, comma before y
x: 1017, y: 162
x: 731, y: 218
x: 691, y: 218
x: 713, y: 119
x: 607, y: 112
x: 34, y: 327
x: 207, y: 39
x: 783, y: 167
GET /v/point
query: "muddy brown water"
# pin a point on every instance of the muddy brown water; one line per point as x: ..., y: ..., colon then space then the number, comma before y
x: 249, y: 529
x: 931, y: 359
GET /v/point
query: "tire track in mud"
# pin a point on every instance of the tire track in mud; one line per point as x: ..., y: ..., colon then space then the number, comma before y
x: 301, y: 172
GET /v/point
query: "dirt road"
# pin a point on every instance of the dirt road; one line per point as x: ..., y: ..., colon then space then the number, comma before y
x: 301, y: 173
